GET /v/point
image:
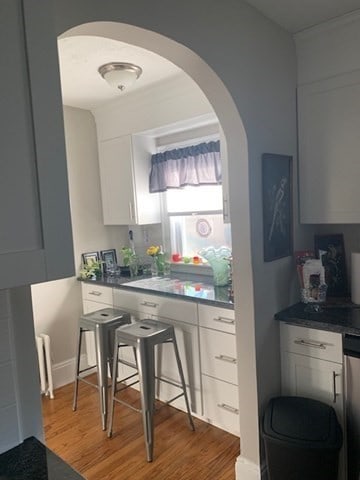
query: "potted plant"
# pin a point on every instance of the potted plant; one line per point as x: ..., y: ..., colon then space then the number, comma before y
x: 91, y: 270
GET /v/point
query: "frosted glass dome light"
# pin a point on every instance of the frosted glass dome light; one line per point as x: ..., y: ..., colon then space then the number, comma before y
x: 120, y: 75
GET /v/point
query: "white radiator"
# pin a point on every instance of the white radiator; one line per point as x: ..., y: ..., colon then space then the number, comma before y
x: 45, y: 368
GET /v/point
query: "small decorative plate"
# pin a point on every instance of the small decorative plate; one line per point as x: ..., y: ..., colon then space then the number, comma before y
x: 203, y: 227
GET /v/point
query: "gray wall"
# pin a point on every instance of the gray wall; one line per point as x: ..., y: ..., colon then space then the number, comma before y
x: 58, y: 304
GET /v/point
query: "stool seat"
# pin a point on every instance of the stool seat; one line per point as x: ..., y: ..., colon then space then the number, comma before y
x: 150, y: 331
x: 143, y: 336
x: 103, y: 323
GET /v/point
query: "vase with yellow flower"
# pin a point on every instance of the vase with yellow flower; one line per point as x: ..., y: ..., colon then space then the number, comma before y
x: 157, y: 260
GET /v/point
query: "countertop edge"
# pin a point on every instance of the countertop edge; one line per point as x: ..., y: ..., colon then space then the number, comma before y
x: 339, y: 320
x: 121, y: 284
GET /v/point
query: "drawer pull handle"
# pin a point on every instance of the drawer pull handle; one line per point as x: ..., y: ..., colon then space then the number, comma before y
x: 226, y: 358
x: 335, y: 394
x: 149, y: 304
x: 96, y: 293
x: 307, y: 343
x: 229, y: 321
x: 228, y: 408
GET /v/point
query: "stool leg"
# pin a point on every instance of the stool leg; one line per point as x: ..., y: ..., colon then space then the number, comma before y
x: 146, y: 366
x: 77, y: 369
x: 101, y: 360
x: 182, y: 378
x: 114, y: 374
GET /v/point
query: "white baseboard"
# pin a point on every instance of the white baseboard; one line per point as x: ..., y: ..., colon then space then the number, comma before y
x: 64, y: 372
x: 246, y: 470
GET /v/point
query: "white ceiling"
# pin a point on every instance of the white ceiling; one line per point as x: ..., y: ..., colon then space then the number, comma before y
x: 297, y: 15
x: 81, y: 56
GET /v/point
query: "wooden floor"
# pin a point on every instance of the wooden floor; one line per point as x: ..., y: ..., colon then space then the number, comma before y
x: 208, y: 453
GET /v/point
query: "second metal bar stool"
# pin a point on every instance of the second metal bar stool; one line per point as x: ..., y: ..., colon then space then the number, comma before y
x: 143, y: 336
x: 103, y: 323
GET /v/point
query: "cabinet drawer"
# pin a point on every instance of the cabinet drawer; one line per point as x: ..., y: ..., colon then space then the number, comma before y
x: 155, y: 305
x: 218, y: 355
x: 221, y: 404
x: 311, y: 342
x: 97, y: 293
x: 216, y: 318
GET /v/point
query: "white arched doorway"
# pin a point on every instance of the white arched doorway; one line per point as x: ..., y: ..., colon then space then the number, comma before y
x: 225, y: 109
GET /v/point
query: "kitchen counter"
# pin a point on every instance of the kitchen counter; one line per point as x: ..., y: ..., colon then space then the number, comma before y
x: 186, y: 286
x: 31, y: 460
x: 340, y: 318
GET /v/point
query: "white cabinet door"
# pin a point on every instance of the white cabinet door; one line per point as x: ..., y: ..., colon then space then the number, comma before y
x: 329, y: 144
x: 95, y: 297
x: 314, y: 378
x: 318, y: 379
x: 124, y: 164
x: 225, y: 177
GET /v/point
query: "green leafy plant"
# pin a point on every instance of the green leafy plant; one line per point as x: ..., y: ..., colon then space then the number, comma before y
x: 93, y: 269
x: 128, y: 255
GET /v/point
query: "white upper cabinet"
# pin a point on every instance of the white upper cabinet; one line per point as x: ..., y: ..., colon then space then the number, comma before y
x: 125, y: 164
x: 329, y: 146
x: 225, y: 177
x: 329, y: 121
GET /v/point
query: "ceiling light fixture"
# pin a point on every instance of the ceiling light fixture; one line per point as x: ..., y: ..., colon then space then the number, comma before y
x: 120, y: 75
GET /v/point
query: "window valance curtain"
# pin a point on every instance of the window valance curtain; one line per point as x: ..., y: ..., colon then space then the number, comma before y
x: 195, y: 165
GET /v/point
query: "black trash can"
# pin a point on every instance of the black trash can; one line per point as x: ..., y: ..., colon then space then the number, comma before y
x: 302, y: 439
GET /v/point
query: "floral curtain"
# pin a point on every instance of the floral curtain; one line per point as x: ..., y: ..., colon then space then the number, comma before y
x: 195, y: 165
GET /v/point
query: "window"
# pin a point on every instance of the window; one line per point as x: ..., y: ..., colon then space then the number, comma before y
x: 195, y: 220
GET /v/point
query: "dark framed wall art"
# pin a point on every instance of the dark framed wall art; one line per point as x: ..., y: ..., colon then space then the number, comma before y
x: 277, y: 206
x: 331, y: 250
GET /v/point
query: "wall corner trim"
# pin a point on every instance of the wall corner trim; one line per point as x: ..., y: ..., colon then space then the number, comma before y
x: 246, y: 469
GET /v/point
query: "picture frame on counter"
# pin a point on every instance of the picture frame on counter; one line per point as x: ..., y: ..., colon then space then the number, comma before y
x: 331, y: 250
x: 90, y: 257
x: 109, y: 259
x: 277, y: 206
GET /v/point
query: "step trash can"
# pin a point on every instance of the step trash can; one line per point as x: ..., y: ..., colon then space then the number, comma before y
x: 302, y: 439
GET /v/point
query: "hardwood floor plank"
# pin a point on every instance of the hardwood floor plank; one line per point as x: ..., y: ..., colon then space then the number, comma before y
x: 179, y: 453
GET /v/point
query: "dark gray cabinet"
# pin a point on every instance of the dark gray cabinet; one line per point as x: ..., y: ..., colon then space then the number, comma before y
x: 35, y: 226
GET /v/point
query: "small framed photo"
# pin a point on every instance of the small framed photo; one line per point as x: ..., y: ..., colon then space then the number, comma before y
x: 110, y: 260
x: 90, y: 257
x: 330, y: 249
x: 277, y: 206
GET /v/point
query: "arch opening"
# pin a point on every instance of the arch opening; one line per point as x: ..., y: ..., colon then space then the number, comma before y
x: 237, y: 151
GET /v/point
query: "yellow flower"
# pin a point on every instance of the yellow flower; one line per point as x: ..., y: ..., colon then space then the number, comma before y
x: 153, y: 250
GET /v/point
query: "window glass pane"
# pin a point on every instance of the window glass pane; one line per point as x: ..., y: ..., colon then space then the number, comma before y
x: 191, y: 233
x: 194, y: 199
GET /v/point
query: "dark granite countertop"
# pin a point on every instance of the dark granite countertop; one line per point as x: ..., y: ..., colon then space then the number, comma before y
x: 337, y: 317
x: 196, y: 288
x: 31, y: 460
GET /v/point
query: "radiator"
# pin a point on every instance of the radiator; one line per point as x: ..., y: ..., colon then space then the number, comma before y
x: 45, y: 368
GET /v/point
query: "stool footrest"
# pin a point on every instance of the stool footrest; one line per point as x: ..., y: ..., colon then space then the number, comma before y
x: 174, y: 398
x: 124, y: 387
x: 168, y: 381
x: 87, y: 381
x: 86, y: 369
x: 127, y: 404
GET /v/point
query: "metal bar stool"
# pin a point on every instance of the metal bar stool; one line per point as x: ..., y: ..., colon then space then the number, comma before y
x: 143, y: 336
x: 103, y: 323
